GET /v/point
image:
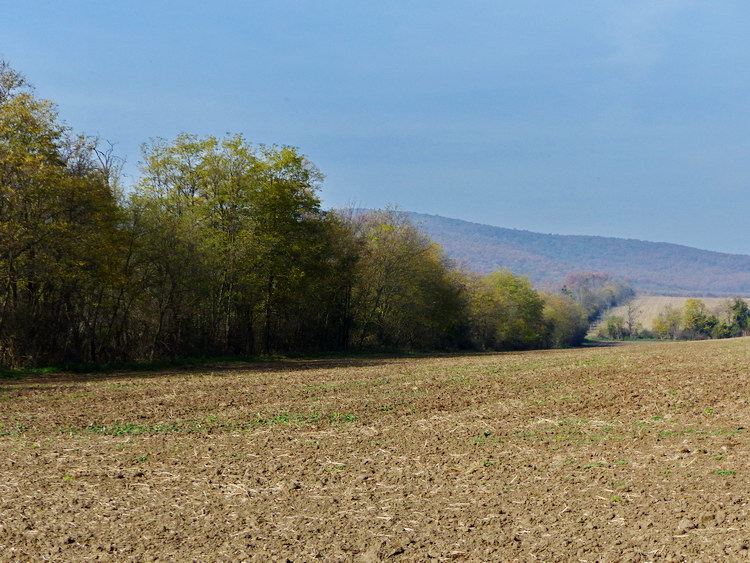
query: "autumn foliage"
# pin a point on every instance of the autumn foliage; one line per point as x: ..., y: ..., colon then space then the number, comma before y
x: 222, y: 248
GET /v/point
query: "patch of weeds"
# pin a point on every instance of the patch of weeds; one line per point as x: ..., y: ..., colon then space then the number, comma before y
x: 17, y: 373
x: 709, y: 410
x: 336, y: 468
x: 720, y: 457
x: 725, y: 472
x: 595, y: 464
x: 287, y: 418
x: 233, y: 456
x: 616, y: 498
x: 688, y: 431
x: 657, y: 417
x: 571, y: 422
x: 315, y: 444
x: 620, y: 462
x: 566, y: 397
x: 458, y: 379
x: 487, y: 437
x: 489, y: 463
x: 385, y: 408
x: 118, y: 429
x: 120, y: 385
x: 669, y: 433
x: 337, y: 417
x: 69, y: 478
x: 211, y: 423
x: 128, y: 428
x: 14, y: 431
x: 142, y: 458
x: 727, y: 432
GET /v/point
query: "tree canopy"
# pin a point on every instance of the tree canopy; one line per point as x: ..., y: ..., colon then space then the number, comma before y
x: 222, y: 248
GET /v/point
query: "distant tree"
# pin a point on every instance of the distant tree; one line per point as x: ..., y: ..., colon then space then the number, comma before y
x: 566, y: 321
x: 697, y: 321
x: 633, y: 325
x: 668, y: 323
x: 596, y: 292
x: 507, y: 313
x: 406, y: 292
x: 720, y: 330
x: 615, y: 327
x: 739, y: 317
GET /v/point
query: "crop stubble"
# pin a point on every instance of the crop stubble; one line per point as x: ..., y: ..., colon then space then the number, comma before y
x: 630, y: 453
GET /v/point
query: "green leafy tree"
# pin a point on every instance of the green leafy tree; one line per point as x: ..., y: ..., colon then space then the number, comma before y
x: 668, y: 323
x: 615, y: 327
x: 697, y: 321
x: 738, y: 323
x: 59, y: 239
x: 406, y: 292
x: 246, y: 240
x: 566, y: 320
x: 507, y: 313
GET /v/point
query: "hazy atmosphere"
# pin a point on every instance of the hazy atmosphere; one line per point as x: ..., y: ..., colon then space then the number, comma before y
x: 625, y: 119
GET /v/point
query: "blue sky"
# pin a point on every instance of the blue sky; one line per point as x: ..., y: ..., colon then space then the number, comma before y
x: 616, y: 118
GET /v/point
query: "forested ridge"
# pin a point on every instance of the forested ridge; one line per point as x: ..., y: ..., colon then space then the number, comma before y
x: 222, y: 248
x: 659, y: 268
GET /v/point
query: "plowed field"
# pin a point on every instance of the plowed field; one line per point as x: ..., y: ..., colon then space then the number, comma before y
x: 631, y: 453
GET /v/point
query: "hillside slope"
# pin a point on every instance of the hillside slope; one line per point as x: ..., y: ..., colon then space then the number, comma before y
x: 655, y: 267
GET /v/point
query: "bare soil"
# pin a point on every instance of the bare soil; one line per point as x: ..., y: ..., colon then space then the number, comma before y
x: 631, y: 453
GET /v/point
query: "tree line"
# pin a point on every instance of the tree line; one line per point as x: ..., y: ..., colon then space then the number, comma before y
x: 222, y: 248
x: 694, y: 320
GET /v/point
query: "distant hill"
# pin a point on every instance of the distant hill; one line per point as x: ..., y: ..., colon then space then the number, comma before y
x: 653, y: 267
